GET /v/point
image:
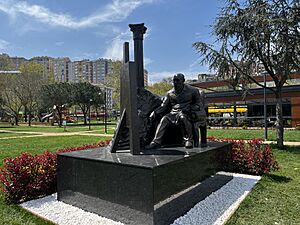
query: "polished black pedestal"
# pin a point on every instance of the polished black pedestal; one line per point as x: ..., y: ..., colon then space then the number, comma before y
x: 154, y: 188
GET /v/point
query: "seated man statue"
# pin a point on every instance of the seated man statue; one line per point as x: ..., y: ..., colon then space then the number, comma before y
x: 182, y: 105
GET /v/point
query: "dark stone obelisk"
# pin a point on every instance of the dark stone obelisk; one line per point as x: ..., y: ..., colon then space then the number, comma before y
x: 123, y: 88
x: 131, y: 80
x: 138, y: 37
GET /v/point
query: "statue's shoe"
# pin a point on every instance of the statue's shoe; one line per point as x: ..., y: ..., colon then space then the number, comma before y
x: 188, y: 144
x: 153, y: 145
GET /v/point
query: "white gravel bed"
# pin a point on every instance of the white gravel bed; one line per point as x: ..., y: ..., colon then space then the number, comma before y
x: 215, y: 209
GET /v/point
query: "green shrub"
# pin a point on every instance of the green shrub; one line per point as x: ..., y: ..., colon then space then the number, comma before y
x: 250, y: 157
x: 30, y: 176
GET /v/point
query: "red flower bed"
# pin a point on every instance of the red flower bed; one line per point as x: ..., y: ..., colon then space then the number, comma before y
x: 30, y: 176
x: 251, y: 157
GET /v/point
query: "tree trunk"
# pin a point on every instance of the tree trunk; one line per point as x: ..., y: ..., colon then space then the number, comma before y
x: 29, y: 118
x: 25, y: 114
x: 85, y: 111
x: 85, y: 118
x: 17, y: 120
x: 59, y: 112
x: 279, y: 120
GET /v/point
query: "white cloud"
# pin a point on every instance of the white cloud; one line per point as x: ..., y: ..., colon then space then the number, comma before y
x: 159, y: 76
x: 147, y: 61
x: 59, y: 43
x: 115, y: 48
x: 3, y: 44
x: 115, y: 11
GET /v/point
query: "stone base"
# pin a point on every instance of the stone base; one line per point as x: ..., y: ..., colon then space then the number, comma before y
x: 153, y: 188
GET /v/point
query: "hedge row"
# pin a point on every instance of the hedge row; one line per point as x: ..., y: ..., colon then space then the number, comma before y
x: 248, y: 156
x: 30, y: 176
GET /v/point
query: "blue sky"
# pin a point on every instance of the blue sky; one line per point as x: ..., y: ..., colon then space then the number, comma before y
x: 93, y: 29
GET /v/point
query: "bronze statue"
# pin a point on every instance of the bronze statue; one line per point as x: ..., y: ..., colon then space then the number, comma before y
x: 147, y: 122
x: 184, y: 107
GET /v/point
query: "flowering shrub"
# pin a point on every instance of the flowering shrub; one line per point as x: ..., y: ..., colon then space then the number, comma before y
x: 30, y: 176
x: 251, y: 157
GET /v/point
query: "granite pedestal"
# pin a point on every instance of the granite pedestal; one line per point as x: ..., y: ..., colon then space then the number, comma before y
x: 153, y: 188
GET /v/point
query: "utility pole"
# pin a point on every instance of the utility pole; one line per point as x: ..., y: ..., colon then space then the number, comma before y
x: 265, y: 109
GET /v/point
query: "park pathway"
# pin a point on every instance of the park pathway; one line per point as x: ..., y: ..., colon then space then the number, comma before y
x: 31, y: 134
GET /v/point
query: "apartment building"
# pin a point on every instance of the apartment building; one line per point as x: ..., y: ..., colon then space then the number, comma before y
x: 61, y: 69
x: 101, y: 69
x: 146, y: 78
x: 47, y: 63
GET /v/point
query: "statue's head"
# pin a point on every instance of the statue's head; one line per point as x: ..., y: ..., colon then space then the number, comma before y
x: 178, y: 81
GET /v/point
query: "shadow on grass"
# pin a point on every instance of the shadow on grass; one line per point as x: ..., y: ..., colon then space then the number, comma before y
x: 6, y: 127
x: 290, y: 149
x: 278, y: 179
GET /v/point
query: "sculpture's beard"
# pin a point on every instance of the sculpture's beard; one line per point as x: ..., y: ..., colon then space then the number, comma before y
x: 178, y: 87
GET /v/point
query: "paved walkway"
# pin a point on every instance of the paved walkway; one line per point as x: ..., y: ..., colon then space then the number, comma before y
x: 288, y: 143
x: 50, y: 134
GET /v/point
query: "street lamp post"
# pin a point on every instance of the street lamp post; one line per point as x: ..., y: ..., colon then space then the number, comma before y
x: 90, y: 113
x: 105, y: 112
x: 265, y: 109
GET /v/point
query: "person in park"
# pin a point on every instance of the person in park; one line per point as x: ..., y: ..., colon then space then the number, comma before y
x: 181, y: 106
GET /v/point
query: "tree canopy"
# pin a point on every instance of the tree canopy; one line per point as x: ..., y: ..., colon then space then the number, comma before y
x: 56, y: 96
x: 29, y: 83
x: 84, y: 95
x: 256, y: 33
x: 162, y: 87
x: 113, y: 81
x: 9, y: 96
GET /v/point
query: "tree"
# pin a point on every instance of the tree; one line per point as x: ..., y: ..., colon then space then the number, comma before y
x: 161, y: 87
x: 5, y: 63
x: 85, y: 95
x: 258, y: 32
x: 10, y: 100
x: 113, y: 81
x: 29, y: 82
x: 56, y: 97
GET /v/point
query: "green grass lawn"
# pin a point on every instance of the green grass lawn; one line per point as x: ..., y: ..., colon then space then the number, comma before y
x: 35, y: 145
x: 274, y: 200
x: 13, y: 214
x: 276, y: 197
x: 289, y: 135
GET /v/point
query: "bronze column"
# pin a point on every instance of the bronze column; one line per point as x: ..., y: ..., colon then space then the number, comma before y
x: 138, y: 32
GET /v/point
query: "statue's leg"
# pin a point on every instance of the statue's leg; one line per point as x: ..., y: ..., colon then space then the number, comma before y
x: 187, y: 129
x: 161, y: 130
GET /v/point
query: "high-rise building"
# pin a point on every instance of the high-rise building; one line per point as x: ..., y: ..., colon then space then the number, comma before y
x: 89, y: 71
x: 81, y: 71
x: 47, y: 63
x: 109, y: 95
x: 145, y: 78
x: 101, y: 69
x: 61, y: 69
